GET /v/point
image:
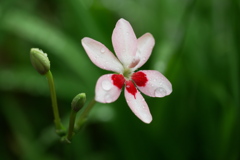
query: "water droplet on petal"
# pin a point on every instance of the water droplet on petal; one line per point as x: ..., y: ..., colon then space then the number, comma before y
x: 108, y: 98
x: 107, y: 85
x: 102, y: 50
x: 160, y: 92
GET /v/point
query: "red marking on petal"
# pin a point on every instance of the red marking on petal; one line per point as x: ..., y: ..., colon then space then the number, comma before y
x: 140, y: 78
x: 118, y: 80
x: 131, y: 88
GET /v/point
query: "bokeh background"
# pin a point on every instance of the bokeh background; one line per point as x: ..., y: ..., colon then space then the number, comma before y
x: 197, y: 48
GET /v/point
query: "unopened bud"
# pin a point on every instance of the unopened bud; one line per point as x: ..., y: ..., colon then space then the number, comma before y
x: 39, y: 60
x: 78, y: 102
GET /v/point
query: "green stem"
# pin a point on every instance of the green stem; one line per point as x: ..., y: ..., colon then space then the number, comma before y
x: 84, y: 114
x: 58, y: 125
x: 71, y: 125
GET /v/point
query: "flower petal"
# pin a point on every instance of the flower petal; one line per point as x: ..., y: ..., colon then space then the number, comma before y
x: 101, y: 56
x: 138, y: 105
x: 157, y: 84
x: 124, y: 42
x: 106, y: 91
x: 144, y: 49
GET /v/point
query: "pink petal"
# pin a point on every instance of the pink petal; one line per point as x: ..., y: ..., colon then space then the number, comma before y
x: 106, y: 91
x: 157, y: 85
x: 101, y: 56
x: 124, y: 42
x: 144, y: 49
x: 138, y: 105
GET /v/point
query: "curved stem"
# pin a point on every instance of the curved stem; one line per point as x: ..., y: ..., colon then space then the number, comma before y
x: 84, y: 114
x: 58, y: 125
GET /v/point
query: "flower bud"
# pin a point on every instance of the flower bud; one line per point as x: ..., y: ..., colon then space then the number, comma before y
x: 39, y: 61
x: 78, y: 102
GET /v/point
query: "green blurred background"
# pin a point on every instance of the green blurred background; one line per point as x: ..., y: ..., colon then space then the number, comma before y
x: 197, y: 48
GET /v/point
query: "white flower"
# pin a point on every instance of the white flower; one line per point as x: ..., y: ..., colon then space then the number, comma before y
x: 132, y: 53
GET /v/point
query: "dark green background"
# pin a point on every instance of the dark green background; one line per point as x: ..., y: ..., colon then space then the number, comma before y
x: 197, y: 48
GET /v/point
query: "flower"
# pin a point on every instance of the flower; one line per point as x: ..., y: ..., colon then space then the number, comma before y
x: 132, y: 53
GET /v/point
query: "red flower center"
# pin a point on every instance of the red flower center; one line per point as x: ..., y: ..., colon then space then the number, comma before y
x: 131, y: 88
x: 118, y: 80
x: 140, y: 78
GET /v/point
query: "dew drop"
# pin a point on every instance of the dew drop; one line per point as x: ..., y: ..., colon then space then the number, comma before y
x: 102, y: 50
x: 160, y: 92
x: 106, y: 85
x: 108, y: 98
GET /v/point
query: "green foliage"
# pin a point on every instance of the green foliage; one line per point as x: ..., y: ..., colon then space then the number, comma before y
x: 197, y: 49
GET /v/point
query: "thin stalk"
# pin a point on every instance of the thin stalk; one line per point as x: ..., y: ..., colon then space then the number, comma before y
x: 84, y: 114
x: 71, y: 125
x: 58, y: 125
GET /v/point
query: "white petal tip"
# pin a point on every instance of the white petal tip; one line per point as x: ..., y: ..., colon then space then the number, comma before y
x: 147, y: 120
x: 84, y: 39
x: 121, y: 19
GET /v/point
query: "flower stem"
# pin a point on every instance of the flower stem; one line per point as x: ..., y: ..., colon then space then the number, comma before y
x: 58, y: 125
x: 84, y: 114
x: 71, y: 125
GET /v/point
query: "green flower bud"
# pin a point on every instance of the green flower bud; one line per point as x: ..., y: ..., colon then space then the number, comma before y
x: 39, y: 60
x: 78, y: 102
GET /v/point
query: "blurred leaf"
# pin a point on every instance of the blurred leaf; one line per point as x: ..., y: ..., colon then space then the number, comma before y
x: 36, y: 30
